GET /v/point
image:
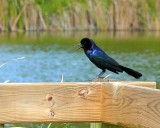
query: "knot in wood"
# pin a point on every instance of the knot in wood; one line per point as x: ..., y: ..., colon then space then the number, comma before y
x: 52, y: 113
x: 83, y: 92
x: 49, y: 97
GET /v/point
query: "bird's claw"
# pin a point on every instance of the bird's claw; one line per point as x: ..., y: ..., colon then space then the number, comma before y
x: 101, y: 79
x: 107, y: 77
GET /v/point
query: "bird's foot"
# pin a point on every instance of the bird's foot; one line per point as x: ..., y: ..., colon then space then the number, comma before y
x: 101, y: 79
x: 97, y: 79
x: 107, y: 77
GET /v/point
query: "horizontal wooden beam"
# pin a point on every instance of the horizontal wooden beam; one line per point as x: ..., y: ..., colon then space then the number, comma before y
x: 50, y: 102
x: 111, y: 102
x: 130, y: 105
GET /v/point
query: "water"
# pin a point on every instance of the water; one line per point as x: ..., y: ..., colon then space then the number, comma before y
x: 49, y: 55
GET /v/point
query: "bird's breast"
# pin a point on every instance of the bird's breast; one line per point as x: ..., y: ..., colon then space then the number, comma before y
x: 89, y: 53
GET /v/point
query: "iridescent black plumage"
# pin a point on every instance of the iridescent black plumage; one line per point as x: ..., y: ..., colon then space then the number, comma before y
x: 103, y: 61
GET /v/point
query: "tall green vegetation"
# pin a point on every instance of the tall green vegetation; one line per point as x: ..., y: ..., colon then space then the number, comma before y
x: 50, y: 15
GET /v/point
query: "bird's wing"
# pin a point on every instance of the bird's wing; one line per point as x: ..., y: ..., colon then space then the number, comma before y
x: 102, y: 57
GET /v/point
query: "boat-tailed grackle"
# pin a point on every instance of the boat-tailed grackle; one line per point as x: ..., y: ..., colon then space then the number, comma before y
x: 97, y: 56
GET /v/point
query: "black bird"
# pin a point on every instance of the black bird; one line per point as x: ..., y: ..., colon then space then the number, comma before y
x: 103, y: 61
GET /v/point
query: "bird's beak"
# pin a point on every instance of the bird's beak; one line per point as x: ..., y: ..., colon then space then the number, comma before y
x: 77, y: 45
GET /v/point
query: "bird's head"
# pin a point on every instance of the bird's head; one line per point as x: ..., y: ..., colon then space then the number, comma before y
x: 87, y: 43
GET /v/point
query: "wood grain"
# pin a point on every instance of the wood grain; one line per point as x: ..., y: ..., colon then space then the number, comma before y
x: 131, y: 105
x: 58, y: 102
x: 111, y: 102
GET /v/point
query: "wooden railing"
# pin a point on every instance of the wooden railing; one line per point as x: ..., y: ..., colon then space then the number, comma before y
x: 127, y: 103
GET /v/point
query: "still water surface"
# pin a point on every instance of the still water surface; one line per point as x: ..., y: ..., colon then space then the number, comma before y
x: 49, y: 55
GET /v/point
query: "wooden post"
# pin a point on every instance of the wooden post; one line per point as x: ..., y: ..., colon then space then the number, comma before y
x: 111, y: 102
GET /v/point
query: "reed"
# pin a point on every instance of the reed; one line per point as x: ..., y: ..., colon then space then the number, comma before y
x: 64, y: 15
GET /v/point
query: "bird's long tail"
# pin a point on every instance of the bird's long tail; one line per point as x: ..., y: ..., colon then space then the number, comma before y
x: 131, y: 72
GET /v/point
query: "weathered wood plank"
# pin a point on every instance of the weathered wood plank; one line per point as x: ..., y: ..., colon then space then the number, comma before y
x: 58, y: 102
x: 131, y: 105
x: 112, y: 102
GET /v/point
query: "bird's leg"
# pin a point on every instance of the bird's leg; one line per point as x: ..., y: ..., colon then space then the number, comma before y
x: 99, y: 76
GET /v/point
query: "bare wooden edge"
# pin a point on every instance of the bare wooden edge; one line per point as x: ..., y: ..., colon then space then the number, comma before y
x: 137, y: 83
x: 149, y: 84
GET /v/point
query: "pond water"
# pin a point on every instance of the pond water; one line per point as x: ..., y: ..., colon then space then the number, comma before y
x: 44, y: 57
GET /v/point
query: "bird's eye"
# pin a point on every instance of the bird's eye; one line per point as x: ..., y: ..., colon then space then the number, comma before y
x: 84, y: 43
